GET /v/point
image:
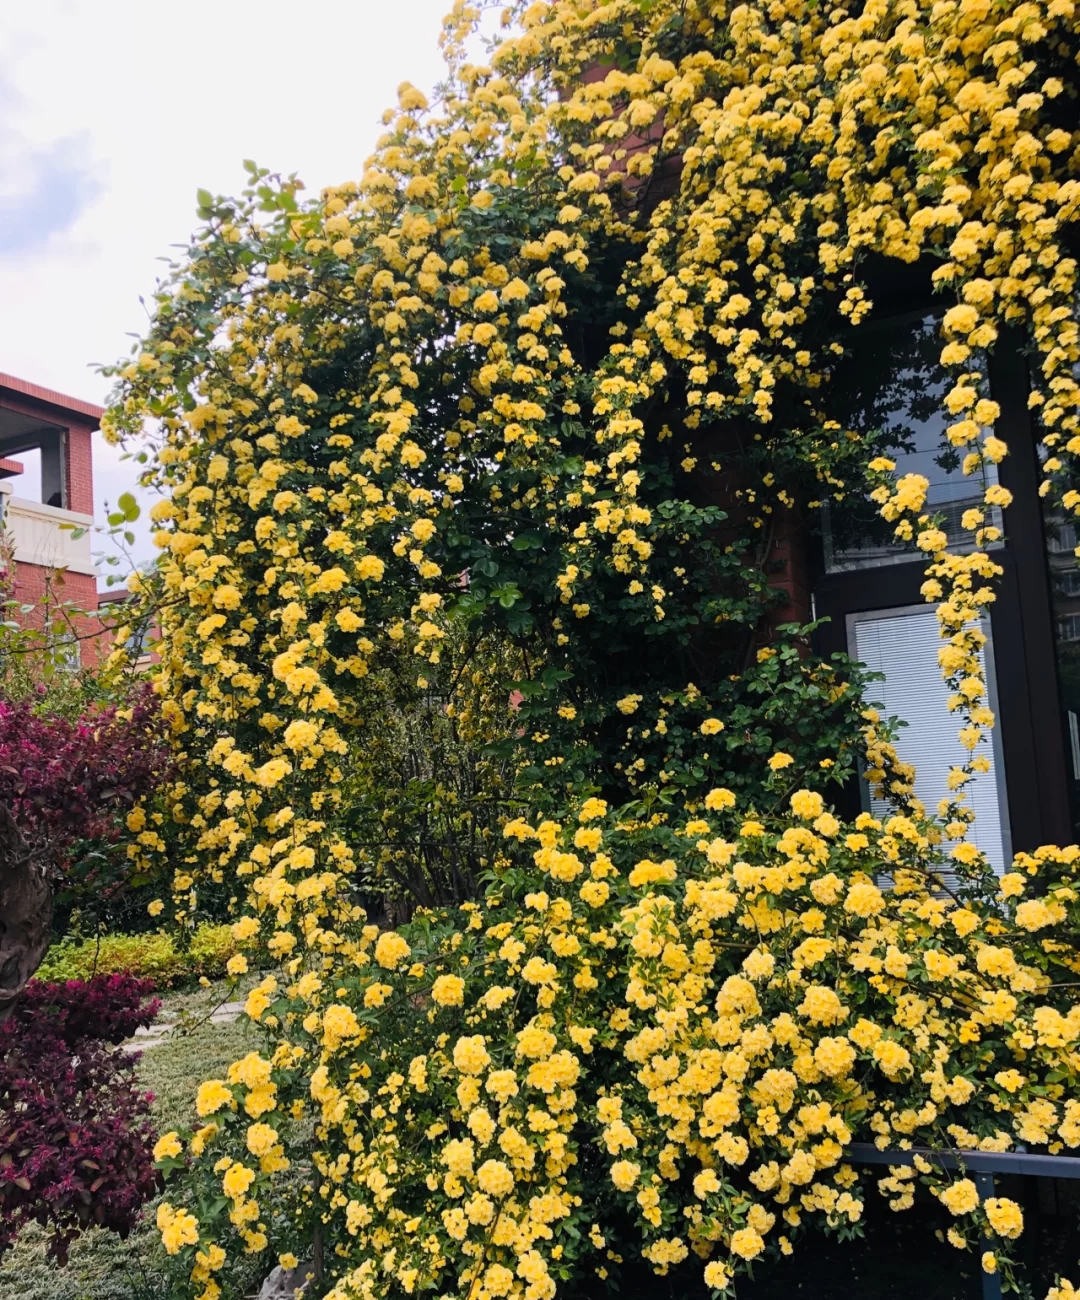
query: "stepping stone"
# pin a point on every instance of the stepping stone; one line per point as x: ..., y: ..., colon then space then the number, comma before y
x: 227, y: 1012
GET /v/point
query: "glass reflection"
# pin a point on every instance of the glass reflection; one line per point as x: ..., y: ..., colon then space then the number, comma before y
x: 1064, y: 575
x: 892, y: 385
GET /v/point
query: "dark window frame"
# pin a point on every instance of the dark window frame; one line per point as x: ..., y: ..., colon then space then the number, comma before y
x: 1029, y: 712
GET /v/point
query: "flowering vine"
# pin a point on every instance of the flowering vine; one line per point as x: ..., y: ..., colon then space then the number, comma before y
x: 556, y: 373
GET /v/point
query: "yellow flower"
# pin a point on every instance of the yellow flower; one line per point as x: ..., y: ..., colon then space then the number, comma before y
x: 178, y: 1228
x: 592, y: 809
x: 1006, y: 1217
x: 711, y: 726
x: 167, y: 1145
x: 391, y: 950
x: 238, y: 1178
x: 261, y: 1139
x: 201, y: 1137
x: 594, y: 892
x: 624, y: 1174
x: 651, y: 873
x: 821, y: 1005
x: 246, y: 928
x: 864, y: 899
x: 747, y: 1243
x: 961, y: 319
x: 156, y: 907
x: 717, y: 1275
x: 300, y: 734
x: 495, y: 1178
x: 471, y: 1055
x: 780, y: 760
x: 892, y: 1057
x: 960, y: 1197
x: 448, y: 990
x: 370, y: 569
x: 807, y: 804
x: 211, y: 1096
x: 338, y: 1023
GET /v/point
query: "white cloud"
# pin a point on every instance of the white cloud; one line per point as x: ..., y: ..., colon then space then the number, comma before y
x: 114, y: 112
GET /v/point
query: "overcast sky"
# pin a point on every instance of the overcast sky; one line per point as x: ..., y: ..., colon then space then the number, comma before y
x: 114, y: 112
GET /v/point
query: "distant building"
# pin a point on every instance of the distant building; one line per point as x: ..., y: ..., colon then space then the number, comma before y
x: 47, y: 504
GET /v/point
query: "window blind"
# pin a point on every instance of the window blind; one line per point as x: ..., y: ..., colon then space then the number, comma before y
x: 904, y: 646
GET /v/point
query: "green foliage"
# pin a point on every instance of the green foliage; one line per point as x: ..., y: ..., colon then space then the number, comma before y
x: 424, y: 809
x: 158, y: 956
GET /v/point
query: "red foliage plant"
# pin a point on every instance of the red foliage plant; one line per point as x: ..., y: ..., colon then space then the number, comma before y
x: 66, y: 784
x: 75, y: 1132
x: 62, y: 781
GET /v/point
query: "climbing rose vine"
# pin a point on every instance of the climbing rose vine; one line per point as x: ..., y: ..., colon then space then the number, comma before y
x: 555, y: 374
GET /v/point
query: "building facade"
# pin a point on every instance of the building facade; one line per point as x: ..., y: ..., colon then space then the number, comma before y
x: 840, y: 563
x: 47, y: 503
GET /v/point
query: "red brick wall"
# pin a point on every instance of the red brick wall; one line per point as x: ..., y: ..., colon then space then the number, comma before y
x: 34, y: 585
x: 793, y: 572
x: 80, y: 470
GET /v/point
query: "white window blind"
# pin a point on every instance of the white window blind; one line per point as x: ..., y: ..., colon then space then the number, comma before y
x: 903, y: 644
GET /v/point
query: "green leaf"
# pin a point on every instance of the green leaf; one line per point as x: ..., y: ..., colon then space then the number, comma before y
x: 527, y: 542
x: 129, y: 506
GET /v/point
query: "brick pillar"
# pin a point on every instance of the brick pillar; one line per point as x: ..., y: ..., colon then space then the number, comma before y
x: 79, y: 484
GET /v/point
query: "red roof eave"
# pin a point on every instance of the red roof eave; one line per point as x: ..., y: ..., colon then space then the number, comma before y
x: 73, y: 404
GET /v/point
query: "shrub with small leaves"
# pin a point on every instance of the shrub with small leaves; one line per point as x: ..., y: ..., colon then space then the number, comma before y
x: 75, y: 1132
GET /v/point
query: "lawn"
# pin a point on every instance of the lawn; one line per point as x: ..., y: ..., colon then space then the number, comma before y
x: 102, y: 1267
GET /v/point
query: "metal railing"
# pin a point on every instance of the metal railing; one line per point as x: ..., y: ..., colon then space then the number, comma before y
x: 982, y: 1165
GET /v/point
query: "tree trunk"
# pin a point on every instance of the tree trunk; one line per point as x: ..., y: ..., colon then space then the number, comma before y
x: 26, y: 907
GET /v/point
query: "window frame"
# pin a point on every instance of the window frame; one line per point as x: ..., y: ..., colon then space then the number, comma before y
x: 1032, y: 740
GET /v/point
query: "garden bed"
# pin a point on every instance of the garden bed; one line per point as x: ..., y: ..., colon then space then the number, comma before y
x: 102, y: 1267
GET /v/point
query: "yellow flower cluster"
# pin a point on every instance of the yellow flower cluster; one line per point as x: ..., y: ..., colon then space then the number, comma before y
x: 743, y: 999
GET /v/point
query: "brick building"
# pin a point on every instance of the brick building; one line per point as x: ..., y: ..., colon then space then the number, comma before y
x: 47, y: 504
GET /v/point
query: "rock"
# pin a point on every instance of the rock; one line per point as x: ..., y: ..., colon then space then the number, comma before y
x: 284, y: 1283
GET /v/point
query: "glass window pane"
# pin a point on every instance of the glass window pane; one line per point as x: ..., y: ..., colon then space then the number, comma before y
x: 903, y: 644
x: 892, y: 384
x: 1064, y: 574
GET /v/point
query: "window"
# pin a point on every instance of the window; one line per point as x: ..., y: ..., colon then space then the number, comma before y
x: 892, y: 384
x: 861, y: 574
x: 1060, y: 536
x: 1064, y: 571
x: 903, y: 644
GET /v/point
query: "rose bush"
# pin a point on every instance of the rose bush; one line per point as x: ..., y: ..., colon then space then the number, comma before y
x: 554, y: 375
x: 655, y: 1035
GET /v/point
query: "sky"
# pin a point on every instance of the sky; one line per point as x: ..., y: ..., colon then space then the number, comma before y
x: 114, y: 112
